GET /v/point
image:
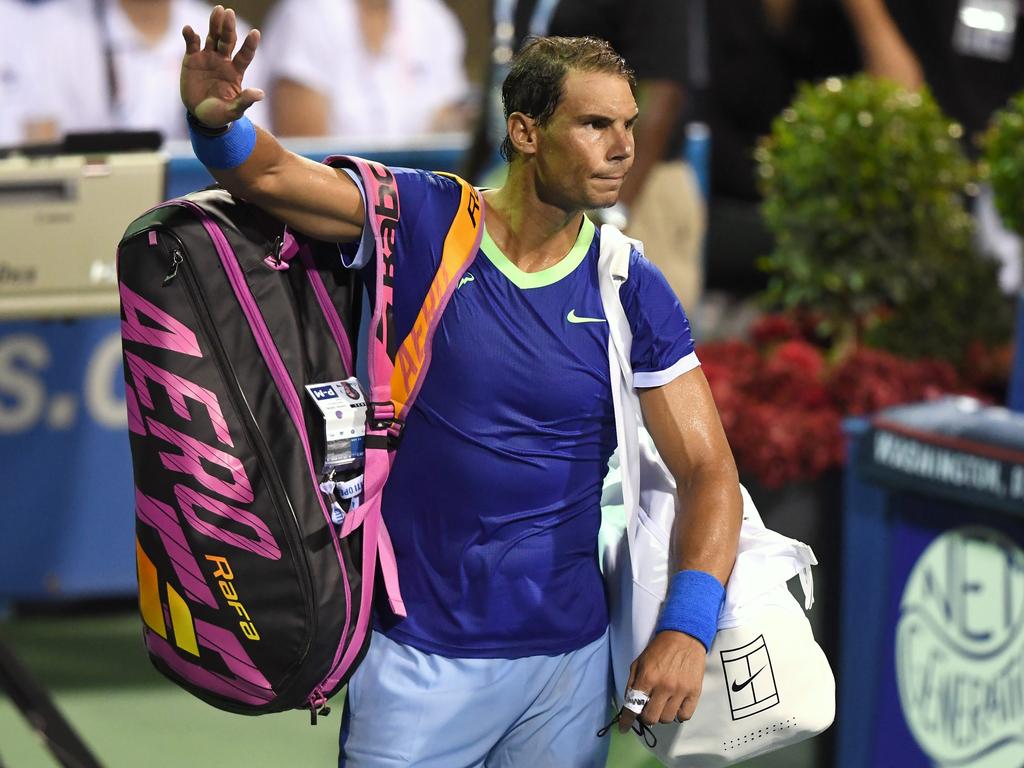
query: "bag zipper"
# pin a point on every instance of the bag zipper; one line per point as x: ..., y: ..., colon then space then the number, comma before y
x: 220, y: 244
x: 330, y: 313
x: 317, y: 700
x: 266, y: 345
x: 194, y: 293
x: 317, y: 705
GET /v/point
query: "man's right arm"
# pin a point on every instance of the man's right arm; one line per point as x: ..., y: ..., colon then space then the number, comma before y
x: 310, y: 197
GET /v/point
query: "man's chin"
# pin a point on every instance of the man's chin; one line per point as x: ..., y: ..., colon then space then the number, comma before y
x: 604, y: 200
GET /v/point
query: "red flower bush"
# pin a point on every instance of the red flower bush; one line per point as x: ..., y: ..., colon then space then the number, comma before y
x: 782, y: 401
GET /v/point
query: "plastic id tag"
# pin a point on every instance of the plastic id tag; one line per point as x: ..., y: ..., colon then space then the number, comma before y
x: 343, y: 407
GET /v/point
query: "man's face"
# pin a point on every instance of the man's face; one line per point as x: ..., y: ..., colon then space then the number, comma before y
x: 586, y: 148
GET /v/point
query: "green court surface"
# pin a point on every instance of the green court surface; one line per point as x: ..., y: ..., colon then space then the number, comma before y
x: 95, y: 666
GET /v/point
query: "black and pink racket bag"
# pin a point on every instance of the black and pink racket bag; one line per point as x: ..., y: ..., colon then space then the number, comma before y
x: 251, y: 598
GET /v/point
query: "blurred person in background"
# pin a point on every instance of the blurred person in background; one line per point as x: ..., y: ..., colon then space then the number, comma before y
x: 759, y: 51
x: 126, y: 64
x: 660, y: 203
x: 970, y: 53
x: 27, y: 113
x: 385, y: 69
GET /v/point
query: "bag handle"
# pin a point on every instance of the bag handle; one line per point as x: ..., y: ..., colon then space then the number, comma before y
x: 613, y: 271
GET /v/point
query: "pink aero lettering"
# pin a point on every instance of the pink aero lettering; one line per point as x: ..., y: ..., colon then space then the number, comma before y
x: 190, y: 461
x: 245, y: 683
x: 167, y: 333
x: 135, y: 423
x: 190, y: 501
x: 165, y: 520
x: 178, y: 388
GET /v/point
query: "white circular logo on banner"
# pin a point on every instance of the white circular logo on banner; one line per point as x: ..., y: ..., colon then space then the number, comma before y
x: 960, y: 650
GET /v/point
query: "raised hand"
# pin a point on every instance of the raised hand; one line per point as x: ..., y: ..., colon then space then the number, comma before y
x: 211, y: 79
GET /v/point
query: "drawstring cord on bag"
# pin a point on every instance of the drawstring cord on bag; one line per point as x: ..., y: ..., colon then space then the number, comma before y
x: 807, y: 584
x: 640, y: 728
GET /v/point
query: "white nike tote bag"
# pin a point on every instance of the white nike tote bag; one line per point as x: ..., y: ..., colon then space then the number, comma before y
x: 767, y: 683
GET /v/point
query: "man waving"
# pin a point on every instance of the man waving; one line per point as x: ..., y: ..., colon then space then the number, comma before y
x: 494, y: 498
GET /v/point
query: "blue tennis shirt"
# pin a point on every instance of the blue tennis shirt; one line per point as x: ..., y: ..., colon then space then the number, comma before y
x: 493, y: 504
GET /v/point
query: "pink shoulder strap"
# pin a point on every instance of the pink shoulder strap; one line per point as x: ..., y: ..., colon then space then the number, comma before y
x: 397, y: 370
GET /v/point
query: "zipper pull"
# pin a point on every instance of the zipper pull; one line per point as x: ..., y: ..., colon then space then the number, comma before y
x: 274, y: 260
x: 317, y: 705
x: 176, y: 259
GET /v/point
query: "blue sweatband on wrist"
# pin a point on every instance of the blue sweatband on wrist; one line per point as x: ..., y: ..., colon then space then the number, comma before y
x: 228, y: 150
x: 692, y: 605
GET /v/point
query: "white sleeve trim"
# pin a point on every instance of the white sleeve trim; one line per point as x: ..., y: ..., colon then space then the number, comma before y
x: 645, y: 379
x: 366, y: 241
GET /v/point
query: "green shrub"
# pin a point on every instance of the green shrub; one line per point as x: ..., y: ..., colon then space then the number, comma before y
x: 864, y: 187
x: 1003, y: 145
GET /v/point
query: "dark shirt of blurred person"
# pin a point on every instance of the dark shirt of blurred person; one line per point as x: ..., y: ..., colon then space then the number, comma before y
x: 971, y: 55
x: 969, y: 52
x: 760, y: 50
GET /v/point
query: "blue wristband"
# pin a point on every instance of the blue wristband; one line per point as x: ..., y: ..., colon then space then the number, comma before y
x: 692, y: 605
x: 229, y: 149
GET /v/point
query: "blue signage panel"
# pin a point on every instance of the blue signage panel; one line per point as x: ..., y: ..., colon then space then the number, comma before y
x: 67, y: 527
x: 932, y: 672
x: 952, y: 684
x: 953, y: 448
x: 1015, y: 398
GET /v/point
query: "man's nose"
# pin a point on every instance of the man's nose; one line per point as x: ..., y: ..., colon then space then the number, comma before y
x: 622, y: 146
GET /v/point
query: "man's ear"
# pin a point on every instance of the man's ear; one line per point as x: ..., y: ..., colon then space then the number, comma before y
x: 522, y: 132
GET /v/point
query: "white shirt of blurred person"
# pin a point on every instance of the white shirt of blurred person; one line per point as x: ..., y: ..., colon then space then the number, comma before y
x: 382, y: 69
x: 139, y: 92
x: 26, y: 114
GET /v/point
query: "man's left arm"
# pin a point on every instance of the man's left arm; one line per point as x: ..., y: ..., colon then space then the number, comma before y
x: 683, y: 420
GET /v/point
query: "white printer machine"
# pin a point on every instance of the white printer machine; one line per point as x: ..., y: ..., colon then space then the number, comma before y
x: 61, y: 217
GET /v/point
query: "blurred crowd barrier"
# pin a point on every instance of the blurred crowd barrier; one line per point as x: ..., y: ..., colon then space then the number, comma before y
x: 68, y: 526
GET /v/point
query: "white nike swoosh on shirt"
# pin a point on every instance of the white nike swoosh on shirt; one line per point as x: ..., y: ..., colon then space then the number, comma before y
x: 572, y: 317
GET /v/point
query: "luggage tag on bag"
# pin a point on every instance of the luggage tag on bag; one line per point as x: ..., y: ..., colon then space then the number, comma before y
x: 343, y: 407
x: 986, y: 29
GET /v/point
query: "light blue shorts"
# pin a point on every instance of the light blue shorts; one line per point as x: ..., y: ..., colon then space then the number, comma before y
x: 409, y: 708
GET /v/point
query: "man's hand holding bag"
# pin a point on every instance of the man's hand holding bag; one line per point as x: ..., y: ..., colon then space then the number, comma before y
x: 767, y: 683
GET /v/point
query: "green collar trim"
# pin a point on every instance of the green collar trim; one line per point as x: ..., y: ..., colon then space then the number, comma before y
x: 548, y: 276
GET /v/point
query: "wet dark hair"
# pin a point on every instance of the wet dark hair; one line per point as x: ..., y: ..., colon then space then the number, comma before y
x: 534, y: 84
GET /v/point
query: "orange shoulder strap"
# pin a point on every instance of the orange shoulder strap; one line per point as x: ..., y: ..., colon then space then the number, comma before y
x: 460, y: 248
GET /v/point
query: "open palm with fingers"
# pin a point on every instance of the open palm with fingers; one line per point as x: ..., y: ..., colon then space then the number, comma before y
x: 211, y: 78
